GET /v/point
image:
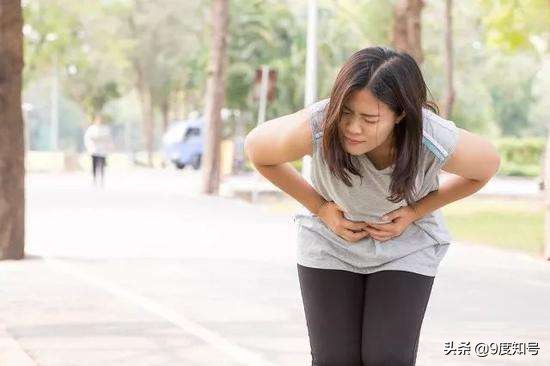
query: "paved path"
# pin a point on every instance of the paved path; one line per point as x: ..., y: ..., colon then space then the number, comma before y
x: 147, y: 272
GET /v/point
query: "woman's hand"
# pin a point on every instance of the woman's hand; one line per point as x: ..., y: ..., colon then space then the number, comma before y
x: 331, y: 214
x: 401, y: 218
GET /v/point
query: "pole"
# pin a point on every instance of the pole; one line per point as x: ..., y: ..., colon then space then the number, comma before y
x: 310, y: 90
x: 54, y: 111
x: 261, y: 119
x: 546, y: 177
x: 263, y: 95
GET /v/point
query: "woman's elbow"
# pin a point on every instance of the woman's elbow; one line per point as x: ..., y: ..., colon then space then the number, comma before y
x: 491, y: 161
x: 252, y: 148
x: 496, y: 163
x: 248, y: 147
x: 488, y: 167
x: 491, y: 167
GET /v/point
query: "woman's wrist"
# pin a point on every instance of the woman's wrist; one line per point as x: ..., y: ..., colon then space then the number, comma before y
x: 418, y: 213
x: 423, y: 206
x: 319, y: 205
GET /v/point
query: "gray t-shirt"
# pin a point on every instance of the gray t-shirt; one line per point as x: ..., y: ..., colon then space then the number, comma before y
x: 419, y: 248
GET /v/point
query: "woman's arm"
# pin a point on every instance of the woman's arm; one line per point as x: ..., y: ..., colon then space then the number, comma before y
x: 473, y: 163
x: 271, y: 147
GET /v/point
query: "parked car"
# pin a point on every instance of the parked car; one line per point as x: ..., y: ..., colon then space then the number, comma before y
x: 183, y: 143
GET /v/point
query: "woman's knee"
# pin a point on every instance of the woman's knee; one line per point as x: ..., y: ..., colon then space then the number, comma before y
x: 335, y: 350
x: 388, y: 358
x: 336, y: 360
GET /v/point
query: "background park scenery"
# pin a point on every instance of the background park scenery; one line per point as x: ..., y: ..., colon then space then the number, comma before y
x: 151, y: 69
x: 144, y: 64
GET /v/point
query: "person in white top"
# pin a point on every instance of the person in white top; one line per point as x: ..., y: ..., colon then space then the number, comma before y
x: 98, y: 142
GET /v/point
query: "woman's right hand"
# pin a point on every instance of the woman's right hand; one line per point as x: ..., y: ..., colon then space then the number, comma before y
x: 331, y: 214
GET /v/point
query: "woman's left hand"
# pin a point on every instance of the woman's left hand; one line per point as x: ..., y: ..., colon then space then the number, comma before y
x: 401, y: 218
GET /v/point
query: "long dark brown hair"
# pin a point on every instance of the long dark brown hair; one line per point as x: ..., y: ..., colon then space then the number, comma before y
x: 396, y: 80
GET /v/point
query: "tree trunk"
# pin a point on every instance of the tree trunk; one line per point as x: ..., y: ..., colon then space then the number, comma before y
x: 449, y: 95
x: 12, y: 142
x: 148, y: 128
x: 178, y: 105
x: 406, y: 35
x: 165, y: 111
x: 215, y: 95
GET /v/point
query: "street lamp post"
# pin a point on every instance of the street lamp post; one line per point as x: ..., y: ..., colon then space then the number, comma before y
x: 546, y: 192
x: 54, y: 97
x: 310, y: 90
x: 54, y: 110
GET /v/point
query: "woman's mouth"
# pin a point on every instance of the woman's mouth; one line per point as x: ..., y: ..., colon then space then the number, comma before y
x: 352, y: 142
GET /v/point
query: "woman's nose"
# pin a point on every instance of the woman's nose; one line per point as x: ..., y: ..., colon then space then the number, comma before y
x: 354, y: 127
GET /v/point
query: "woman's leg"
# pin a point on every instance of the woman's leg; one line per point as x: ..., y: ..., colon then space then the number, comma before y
x: 333, y: 304
x: 395, y: 303
x: 94, y: 167
x: 102, y: 162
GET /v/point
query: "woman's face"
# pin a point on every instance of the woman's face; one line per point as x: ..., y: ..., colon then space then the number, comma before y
x: 368, y: 121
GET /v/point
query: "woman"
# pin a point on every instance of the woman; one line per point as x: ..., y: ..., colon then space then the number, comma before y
x: 98, y: 142
x: 369, y: 251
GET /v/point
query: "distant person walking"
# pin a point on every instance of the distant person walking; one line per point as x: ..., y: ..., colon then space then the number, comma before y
x: 98, y: 142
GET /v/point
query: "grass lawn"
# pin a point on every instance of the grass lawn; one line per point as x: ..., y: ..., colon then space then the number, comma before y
x: 504, y: 223
x: 509, y: 224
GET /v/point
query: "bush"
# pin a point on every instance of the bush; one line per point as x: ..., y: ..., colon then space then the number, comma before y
x: 520, y: 156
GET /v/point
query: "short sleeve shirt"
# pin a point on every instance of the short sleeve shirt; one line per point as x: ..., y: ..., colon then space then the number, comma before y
x: 419, y: 248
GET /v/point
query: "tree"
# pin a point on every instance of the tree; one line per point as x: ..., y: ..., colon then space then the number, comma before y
x: 78, y: 45
x: 407, y: 28
x: 215, y: 95
x: 162, y: 34
x: 96, y: 66
x: 12, y: 153
x: 143, y: 27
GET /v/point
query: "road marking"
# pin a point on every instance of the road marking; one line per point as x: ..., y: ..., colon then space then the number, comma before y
x: 236, y: 352
x: 11, y: 352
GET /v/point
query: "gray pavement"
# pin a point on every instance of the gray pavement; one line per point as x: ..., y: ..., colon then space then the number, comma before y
x: 149, y: 272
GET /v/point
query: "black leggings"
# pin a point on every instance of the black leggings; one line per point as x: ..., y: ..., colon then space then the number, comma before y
x: 98, y: 166
x: 358, y: 319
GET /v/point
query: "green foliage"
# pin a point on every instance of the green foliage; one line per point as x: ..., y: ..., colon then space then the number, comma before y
x: 103, y: 49
x: 511, y: 24
x: 521, y: 157
x: 79, y: 43
x: 165, y: 38
x: 521, y: 151
x: 346, y: 27
x: 265, y: 32
x: 495, y: 89
x: 51, y: 34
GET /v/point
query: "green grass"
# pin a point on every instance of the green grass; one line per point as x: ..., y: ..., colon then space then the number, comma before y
x: 507, y: 224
